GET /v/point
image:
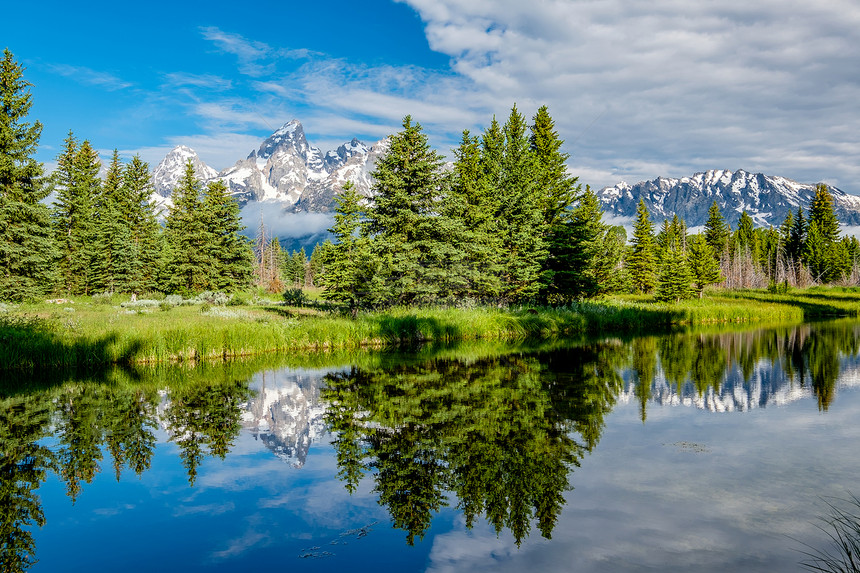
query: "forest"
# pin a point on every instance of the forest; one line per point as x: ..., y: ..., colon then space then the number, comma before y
x: 504, y: 224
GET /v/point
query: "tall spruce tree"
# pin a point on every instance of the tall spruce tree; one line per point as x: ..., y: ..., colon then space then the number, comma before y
x: 188, y: 267
x: 557, y: 188
x: 675, y: 280
x: 716, y: 231
x: 471, y: 205
x: 27, y: 250
x: 520, y: 214
x: 585, y: 252
x: 116, y: 260
x: 703, y: 265
x: 141, y: 217
x: 229, y: 252
x: 641, y: 258
x: 78, y: 189
x: 348, y: 270
x: 400, y: 218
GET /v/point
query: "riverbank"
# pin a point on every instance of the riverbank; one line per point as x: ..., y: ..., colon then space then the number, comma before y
x: 84, y: 332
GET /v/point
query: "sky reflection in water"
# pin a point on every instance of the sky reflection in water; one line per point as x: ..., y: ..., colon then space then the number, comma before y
x: 688, y: 488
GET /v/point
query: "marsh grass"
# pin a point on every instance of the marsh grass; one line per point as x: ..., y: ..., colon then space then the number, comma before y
x: 99, y: 332
x: 842, y: 527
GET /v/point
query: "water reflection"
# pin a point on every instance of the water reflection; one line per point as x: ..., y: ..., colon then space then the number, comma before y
x: 501, y: 433
x: 496, y: 434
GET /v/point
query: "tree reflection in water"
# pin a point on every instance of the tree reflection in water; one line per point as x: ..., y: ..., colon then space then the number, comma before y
x: 500, y: 433
x: 496, y: 436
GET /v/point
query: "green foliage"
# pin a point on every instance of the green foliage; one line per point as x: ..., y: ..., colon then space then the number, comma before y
x: 675, y: 281
x: 401, y: 219
x: 585, y: 252
x: 521, y: 218
x: 716, y: 231
x: 229, y: 252
x: 641, y: 258
x: 702, y: 262
x: 78, y: 190
x: 27, y: 250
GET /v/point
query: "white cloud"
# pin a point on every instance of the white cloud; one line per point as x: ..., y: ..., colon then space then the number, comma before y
x: 91, y: 77
x: 685, y: 86
x: 637, y: 90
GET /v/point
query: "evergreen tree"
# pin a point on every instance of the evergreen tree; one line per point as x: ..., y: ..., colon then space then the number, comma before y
x: 115, y: 261
x: 142, y: 221
x: 826, y: 261
x: 27, y: 250
x: 746, y: 238
x: 471, y: 204
x: 557, y: 189
x: 821, y: 212
x: 641, y: 257
x: 78, y: 188
x: 716, y: 231
x: 583, y: 262
x: 520, y: 214
x: 675, y: 280
x: 189, y: 267
x: 408, y: 183
x: 703, y: 265
x: 229, y: 253
x: 797, y: 237
x: 346, y: 277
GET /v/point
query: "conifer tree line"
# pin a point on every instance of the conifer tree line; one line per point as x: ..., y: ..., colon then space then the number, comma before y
x: 505, y: 224
x: 102, y: 235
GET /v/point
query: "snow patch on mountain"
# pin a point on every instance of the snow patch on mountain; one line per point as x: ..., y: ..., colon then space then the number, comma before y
x: 766, y: 199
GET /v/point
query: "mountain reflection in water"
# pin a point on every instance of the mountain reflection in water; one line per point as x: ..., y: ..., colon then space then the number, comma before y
x: 496, y: 434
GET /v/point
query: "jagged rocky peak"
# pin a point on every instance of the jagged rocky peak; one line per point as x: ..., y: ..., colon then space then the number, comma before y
x: 291, y: 135
x: 767, y: 199
x: 171, y: 169
x: 339, y: 156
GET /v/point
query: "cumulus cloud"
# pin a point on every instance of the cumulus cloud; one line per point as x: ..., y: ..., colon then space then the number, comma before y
x: 637, y: 90
x: 679, y: 87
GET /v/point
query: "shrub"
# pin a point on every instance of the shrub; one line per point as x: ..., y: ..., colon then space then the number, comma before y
x: 294, y: 297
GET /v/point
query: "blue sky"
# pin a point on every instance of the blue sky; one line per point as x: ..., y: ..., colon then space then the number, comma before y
x: 638, y: 90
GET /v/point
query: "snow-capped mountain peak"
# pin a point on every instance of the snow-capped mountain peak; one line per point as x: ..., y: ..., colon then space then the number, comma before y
x: 767, y: 199
x: 171, y: 169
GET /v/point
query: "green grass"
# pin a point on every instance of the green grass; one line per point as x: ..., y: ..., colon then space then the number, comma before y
x: 99, y: 332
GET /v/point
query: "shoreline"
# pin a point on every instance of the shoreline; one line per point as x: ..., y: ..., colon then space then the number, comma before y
x: 40, y: 336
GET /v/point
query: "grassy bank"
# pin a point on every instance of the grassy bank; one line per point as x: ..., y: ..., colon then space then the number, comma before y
x: 92, y: 332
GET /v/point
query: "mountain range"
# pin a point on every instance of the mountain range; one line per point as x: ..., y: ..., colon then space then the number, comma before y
x: 290, y: 175
x: 285, y: 170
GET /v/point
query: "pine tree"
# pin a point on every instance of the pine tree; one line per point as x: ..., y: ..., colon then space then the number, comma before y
x: 520, y: 216
x: 142, y: 220
x: 471, y: 206
x: 797, y: 237
x: 825, y: 260
x: 585, y: 252
x: 347, y: 274
x: 641, y: 257
x: 716, y: 231
x: 408, y: 183
x: 27, y: 249
x: 703, y: 265
x: 78, y: 188
x: 675, y: 281
x: 189, y: 267
x: 228, y: 252
x: 558, y: 190
x: 115, y: 260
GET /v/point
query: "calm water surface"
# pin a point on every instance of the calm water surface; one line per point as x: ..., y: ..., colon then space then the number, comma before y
x: 705, y: 452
